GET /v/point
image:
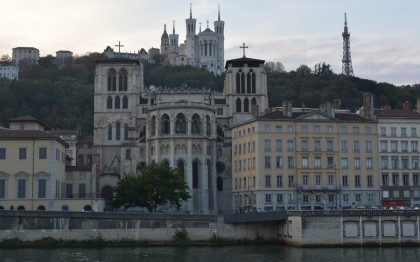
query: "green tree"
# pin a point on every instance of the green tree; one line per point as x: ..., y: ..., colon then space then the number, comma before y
x: 157, y: 185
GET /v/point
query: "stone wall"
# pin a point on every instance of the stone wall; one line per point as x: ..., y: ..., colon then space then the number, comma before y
x: 33, y: 225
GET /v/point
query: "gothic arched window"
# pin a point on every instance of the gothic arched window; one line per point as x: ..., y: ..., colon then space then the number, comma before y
x: 208, y: 126
x: 196, y: 124
x: 195, y: 174
x: 109, y: 132
x: 118, y: 131
x: 117, y: 102
x: 165, y: 125
x: 242, y: 83
x: 246, y: 105
x: 112, y: 80
x: 181, y: 167
x: 125, y: 102
x: 238, y: 83
x: 238, y: 105
x: 180, y: 124
x: 248, y: 83
x: 253, y: 82
x: 125, y: 132
x: 254, y: 106
x: 122, y: 80
x: 109, y: 102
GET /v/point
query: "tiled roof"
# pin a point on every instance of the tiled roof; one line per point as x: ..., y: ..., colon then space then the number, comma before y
x: 396, y: 113
x: 25, y: 118
x: 240, y: 62
x: 278, y: 115
x: 28, y: 134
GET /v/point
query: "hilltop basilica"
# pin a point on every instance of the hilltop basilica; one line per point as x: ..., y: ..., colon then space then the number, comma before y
x: 185, y: 127
x: 204, y: 49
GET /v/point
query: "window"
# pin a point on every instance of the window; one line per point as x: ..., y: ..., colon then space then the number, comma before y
x: 368, y: 130
x: 117, y: 102
x: 125, y: 102
x: 42, y: 153
x: 69, y: 190
x: 278, y: 128
x: 290, y: 146
x: 369, y: 163
x: 2, y: 153
x: 330, y: 180
x: 109, y: 132
x: 305, y: 198
x: 357, y: 181
x: 384, y: 179
x: 317, y: 145
x: 331, y: 198
x: 305, y: 180
x: 267, y: 181
x: 304, y: 128
x: 370, y: 197
x: 384, y: 162
x: 118, y: 131
x: 356, y: 163
x: 394, y: 162
x: 343, y: 129
x: 279, y: 198
x: 290, y: 162
x: 317, y: 129
x: 21, y: 190
x: 330, y: 145
x: 395, y: 179
x: 404, y: 162
x: 356, y: 146
x: 291, y: 181
x: 403, y: 132
x: 355, y: 129
x: 279, y: 181
x: 289, y: 128
x: 42, y: 188
x: 413, y: 132
x: 345, y: 198
x: 414, y: 146
x: 22, y: 153
x: 415, y: 179
x: 279, y: 162
x: 82, y: 190
x: 344, y: 163
x: 278, y: 145
x: 267, y: 128
x: 358, y: 197
x: 268, y: 198
x: 384, y: 145
x: 318, y: 162
x: 305, y: 162
x: 383, y: 131
x: 318, y: 198
x: 2, y: 188
x: 394, y: 146
x: 368, y: 146
x: 329, y: 129
x: 318, y: 180
x: 267, y: 145
x: 405, y: 179
x: 415, y: 162
x: 345, y: 181
x: 369, y: 181
x: 404, y: 146
x: 393, y: 131
x: 344, y: 145
x: 330, y: 162
x: 267, y: 162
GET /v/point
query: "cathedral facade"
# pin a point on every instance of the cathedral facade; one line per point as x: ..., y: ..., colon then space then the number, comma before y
x: 184, y: 127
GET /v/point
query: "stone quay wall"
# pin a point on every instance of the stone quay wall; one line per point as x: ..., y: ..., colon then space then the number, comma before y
x: 351, y: 228
x: 35, y: 225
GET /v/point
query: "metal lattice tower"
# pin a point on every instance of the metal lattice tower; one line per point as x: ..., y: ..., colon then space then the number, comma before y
x: 347, y: 67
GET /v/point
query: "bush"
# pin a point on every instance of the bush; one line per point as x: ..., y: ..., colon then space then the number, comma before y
x: 181, y: 235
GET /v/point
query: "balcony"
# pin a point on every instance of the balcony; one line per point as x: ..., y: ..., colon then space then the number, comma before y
x: 311, y: 187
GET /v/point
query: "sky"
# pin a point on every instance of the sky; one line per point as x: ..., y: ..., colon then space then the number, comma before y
x: 384, y: 34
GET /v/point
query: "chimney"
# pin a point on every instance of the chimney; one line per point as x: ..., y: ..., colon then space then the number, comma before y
x: 406, y: 105
x: 287, y: 108
x: 368, y: 106
x: 418, y: 105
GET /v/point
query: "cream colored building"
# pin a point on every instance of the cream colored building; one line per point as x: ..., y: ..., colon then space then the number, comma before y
x: 297, y: 158
x: 28, y: 54
x: 32, y: 169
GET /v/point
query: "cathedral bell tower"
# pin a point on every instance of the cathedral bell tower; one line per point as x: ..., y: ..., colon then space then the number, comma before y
x: 191, y: 35
x: 219, y: 28
x: 164, y: 42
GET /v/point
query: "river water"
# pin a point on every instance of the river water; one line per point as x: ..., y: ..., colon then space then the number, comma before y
x: 218, y: 254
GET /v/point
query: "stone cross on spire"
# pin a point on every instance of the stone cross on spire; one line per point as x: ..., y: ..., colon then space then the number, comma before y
x: 119, y: 46
x: 243, y: 47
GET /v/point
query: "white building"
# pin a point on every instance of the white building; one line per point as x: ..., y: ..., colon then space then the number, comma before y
x: 9, y: 71
x: 184, y: 127
x: 63, y: 58
x: 399, y: 139
x: 28, y: 54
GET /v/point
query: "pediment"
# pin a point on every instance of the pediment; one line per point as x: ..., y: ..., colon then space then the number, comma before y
x: 315, y: 116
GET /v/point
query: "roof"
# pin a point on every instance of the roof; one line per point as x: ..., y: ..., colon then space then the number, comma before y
x: 240, y: 62
x: 117, y: 60
x: 29, y: 134
x: 278, y: 115
x: 64, y: 51
x: 396, y: 113
x: 21, y: 47
x: 25, y: 118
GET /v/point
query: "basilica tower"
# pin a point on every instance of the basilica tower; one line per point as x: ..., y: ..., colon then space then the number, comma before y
x: 190, y: 41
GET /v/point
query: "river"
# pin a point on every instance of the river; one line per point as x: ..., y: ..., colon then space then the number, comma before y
x: 218, y: 254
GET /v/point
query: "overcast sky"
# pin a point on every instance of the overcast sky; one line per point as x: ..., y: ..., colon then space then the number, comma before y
x: 384, y: 34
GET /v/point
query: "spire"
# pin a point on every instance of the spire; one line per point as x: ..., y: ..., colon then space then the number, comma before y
x: 164, y: 28
x: 173, y: 26
x: 190, y: 10
x: 347, y: 68
x: 219, y: 13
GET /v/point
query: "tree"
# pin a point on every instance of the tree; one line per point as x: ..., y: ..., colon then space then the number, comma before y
x: 6, y: 59
x: 274, y: 67
x: 303, y: 70
x: 157, y: 185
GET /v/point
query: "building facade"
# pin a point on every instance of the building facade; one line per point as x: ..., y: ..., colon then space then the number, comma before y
x: 63, y: 58
x: 184, y: 127
x: 28, y: 55
x: 399, y: 155
x: 9, y: 71
x: 299, y: 158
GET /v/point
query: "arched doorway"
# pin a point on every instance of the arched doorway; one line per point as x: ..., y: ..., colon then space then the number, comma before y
x: 107, y: 194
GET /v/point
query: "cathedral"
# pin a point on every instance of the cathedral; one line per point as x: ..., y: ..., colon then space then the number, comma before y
x: 204, y: 49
